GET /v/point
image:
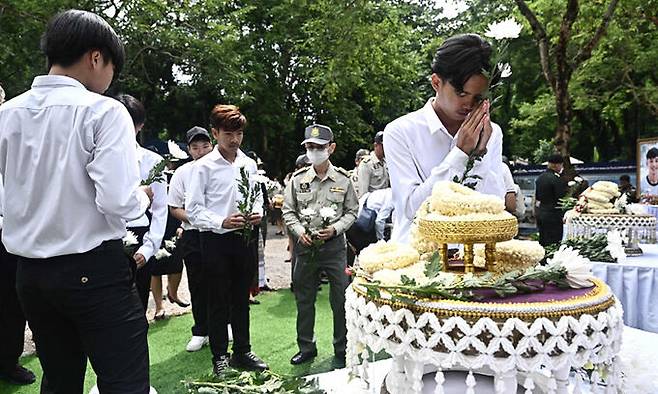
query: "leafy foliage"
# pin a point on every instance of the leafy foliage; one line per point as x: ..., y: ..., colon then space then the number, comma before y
x: 266, y: 382
x: 594, y: 248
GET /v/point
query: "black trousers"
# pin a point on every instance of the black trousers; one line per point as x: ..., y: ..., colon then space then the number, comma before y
x: 229, y: 272
x: 85, y: 305
x: 143, y: 274
x: 12, y: 320
x: 549, y: 224
x: 196, y: 280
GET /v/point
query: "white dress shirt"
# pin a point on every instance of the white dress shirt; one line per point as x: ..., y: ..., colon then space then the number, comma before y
x: 178, y: 186
x: 67, y: 157
x: 152, y: 240
x: 420, y: 152
x: 213, y: 193
x: 2, y: 196
x: 380, y: 201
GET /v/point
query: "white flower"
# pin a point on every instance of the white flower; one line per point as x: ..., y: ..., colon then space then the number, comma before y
x: 578, y: 179
x: 508, y: 28
x: 327, y: 213
x: 161, y: 253
x: 130, y: 239
x: 579, y: 268
x: 176, y: 151
x: 505, y: 70
x: 169, y: 244
x: 308, y: 212
x: 615, y: 246
x: 571, y: 183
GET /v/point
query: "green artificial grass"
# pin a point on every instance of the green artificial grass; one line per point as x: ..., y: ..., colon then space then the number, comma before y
x: 273, y: 338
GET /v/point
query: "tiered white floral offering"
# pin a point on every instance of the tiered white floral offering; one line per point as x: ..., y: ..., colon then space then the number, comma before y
x: 510, y: 322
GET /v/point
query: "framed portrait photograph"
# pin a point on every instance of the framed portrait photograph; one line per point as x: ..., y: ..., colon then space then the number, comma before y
x: 647, y: 166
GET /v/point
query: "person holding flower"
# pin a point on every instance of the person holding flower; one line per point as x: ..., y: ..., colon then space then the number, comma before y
x: 320, y: 204
x: 438, y: 142
x: 224, y: 202
x: 150, y: 228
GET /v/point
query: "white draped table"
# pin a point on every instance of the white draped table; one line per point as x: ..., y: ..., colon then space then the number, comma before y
x: 635, y: 283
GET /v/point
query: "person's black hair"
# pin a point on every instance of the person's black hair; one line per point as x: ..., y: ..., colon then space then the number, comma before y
x: 653, y: 152
x: 460, y: 57
x: 625, y: 178
x: 70, y: 34
x: 555, y: 158
x: 135, y: 108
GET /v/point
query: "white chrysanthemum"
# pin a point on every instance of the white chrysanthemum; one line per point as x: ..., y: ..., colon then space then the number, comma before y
x: 392, y: 277
x: 579, y: 268
x: 130, y: 239
x: 161, y: 254
x: 512, y: 255
x: 508, y: 28
x: 307, y: 212
x: 327, y: 213
x: 176, y: 151
x: 615, y: 246
x: 505, y: 70
x: 391, y: 255
x: 169, y: 244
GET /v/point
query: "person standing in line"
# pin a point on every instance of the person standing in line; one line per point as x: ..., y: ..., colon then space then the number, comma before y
x: 69, y: 164
x: 149, y: 228
x: 211, y: 206
x: 373, y: 173
x: 354, y: 173
x: 433, y: 143
x: 198, y: 145
x: 549, y: 189
x: 316, y: 187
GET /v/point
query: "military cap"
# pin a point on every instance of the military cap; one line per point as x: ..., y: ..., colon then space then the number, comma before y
x: 318, y: 134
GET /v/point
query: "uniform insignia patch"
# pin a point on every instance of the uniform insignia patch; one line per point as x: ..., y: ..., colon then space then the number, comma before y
x: 337, y: 190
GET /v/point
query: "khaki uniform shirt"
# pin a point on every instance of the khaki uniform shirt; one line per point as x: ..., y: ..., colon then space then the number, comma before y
x: 373, y: 174
x: 307, y: 190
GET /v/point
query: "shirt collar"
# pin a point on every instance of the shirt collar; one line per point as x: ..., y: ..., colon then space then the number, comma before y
x: 311, y: 174
x: 216, y: 156
x: 433, y: 121
x: 51, y: 81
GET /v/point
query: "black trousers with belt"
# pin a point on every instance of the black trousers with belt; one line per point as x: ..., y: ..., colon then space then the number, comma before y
x: 229, y: 268
x: 83, y: 306
x: 196, y: 280
x: 549, y: 224
x: 12, y: 320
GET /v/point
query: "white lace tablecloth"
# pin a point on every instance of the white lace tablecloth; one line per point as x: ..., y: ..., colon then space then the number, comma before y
x: 635, y: 283
x: 504, y: 350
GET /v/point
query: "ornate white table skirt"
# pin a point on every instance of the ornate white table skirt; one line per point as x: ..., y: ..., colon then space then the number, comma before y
x: 502, y: 349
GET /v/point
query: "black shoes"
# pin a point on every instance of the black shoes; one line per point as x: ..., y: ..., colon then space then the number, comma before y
x: 301, y: 358
x: 18, y: 375
x: 248, y: 361
x: 339, y: 361
x: 220, y: 365
x: 177, y: 302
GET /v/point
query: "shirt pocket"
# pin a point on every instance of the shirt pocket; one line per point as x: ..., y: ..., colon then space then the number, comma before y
x: 304, y: 199
x: 336, y: 201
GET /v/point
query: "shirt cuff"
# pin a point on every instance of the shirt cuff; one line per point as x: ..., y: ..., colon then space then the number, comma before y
x: 145, y: 251
x: 298, y: 230
x: 457, y: 159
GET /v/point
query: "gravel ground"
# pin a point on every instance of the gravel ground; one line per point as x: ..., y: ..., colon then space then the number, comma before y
x: 277, y: 271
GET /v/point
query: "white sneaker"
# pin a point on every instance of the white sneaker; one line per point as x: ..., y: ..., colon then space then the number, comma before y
x: 196, y: 343
x: 94, y: 390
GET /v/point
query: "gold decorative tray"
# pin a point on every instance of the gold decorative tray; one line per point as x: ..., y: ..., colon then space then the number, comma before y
x: 480, y: 231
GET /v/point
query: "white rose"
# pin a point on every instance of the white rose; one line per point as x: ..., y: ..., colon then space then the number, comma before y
x: 327, y: 213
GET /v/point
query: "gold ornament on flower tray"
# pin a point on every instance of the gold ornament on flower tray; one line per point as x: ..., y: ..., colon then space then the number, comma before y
x: 456, y: 214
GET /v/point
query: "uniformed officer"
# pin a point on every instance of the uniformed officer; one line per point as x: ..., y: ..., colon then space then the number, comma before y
x: 318, y: 186
x: 373, y: 173
x: 549, y: 188
x: 354, y: 173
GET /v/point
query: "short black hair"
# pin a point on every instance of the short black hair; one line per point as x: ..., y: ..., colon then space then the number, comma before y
x: 70, y: 34
x: 653, y: 152
x: 460, y: 57
x: 624, y: 178
x: 555, y: 158
x: 135, y: 108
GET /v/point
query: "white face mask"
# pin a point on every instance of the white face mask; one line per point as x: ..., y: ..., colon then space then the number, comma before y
x: 317, y: 156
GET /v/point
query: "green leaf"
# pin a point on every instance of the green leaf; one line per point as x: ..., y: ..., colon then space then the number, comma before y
x: 434, y: 266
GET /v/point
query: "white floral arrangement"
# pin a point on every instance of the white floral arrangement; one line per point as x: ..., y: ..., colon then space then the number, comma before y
x: 387, y: 255
x: 511, y: 255
x: 130, y: 239
x: 602, y: 197
x: 577, y: 269
x: 450, y: 199
x: 175, y: 151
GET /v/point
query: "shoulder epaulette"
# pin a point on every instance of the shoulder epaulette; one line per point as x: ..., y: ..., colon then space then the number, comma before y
x: 300, y: 171
x: 366, y: 159
x: 343, y: 171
